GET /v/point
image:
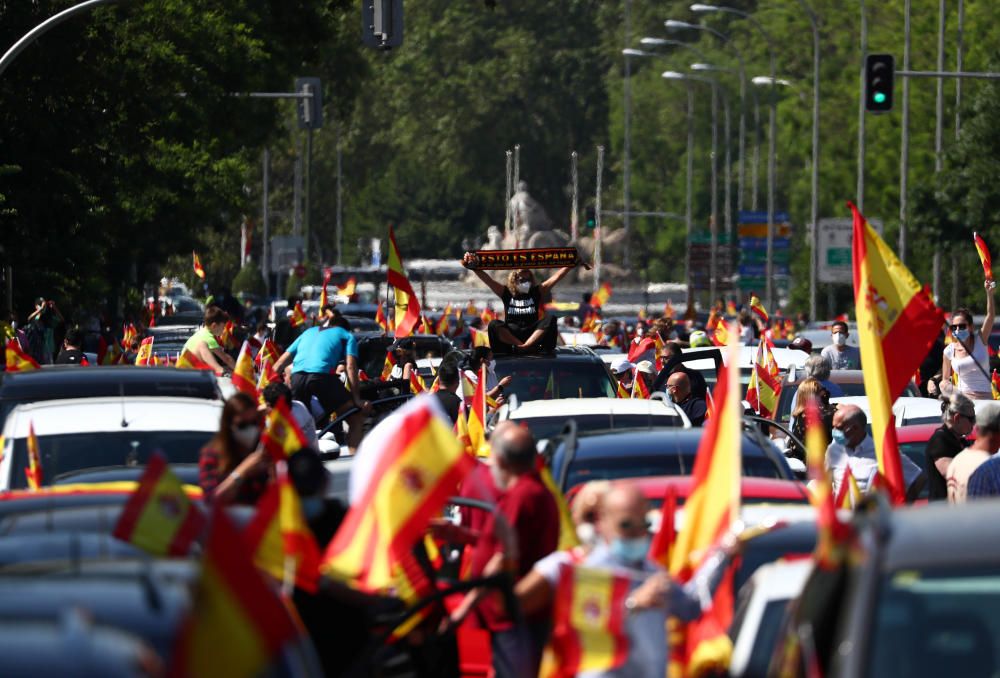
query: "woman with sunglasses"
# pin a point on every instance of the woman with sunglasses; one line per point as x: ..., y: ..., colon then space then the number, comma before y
x: 967, y: 356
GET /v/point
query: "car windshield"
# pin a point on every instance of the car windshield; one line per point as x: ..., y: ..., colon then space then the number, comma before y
x: 766, y: 638
x: 936, y: 623
x: 546, y: 427
x: 71, y: 452
x: 612, y: 468
x: 549, y: 379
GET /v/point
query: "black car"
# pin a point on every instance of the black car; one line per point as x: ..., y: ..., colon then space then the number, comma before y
x: 372, y: 347
x: 567, y: 372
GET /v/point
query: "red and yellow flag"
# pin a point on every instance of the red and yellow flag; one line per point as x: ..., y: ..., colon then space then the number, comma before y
x: 380, y: 318
x: 589, y: 634
x: 758, y: 309
x: 407, y: 306
x: 268, y: 352
x: 621, y: 391
x: 18, y: 360
x: 404, y: 471
x: 298, y: 317
x: 995, y: 385
x: 236, y: 624
x: 129, y: 333
x: 390, y: 362
x: 830, y: 532
x: 712, y: 322
x: 323, y: 300
x: 477, y: 417
x: 849, y: 493
x: 567, y: 529
x: 479, y: 337
x: 282, y: 434
x: 227, y: 339
x: 639, y: 388
x: 267, y: 373
x: 416, y: 383
x: 442, y: 328
x: 720, y: 336
x: 349, y: 288
x: 461, y: 429
x: 33, y: 472
x: 198, y: 269
x: 189, y: 361
x: 897, y: 325
x: 984, y: 255
x: 279, y: 538
x: 663, y: 541
x: 764, y: 389
x: 243, y: 377
x: 601, y: 296
x: 144, y: 356
x: 712, y: 507
x: 159, y: 517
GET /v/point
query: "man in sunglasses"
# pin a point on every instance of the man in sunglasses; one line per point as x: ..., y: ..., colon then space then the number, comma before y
x: 840, y: 355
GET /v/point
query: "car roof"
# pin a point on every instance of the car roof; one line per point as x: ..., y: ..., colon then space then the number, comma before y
x: 836, y: 376
x: 561, y: 353
x: 72, y: 381
x: 904, y: 408
x: 647, y: 442
x: 785, y: 357
x: 655, y: 487
x: 569, y: 407
x: 966, y: 535
x: 81, y: 415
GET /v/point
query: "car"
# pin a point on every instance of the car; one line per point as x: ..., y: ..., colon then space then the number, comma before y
x: 759, y: 611
x: 918, y: 597
x: 71, y: 381
x: 372, y: 347
x: 851, y: 383
x: 906, y: 410
x: 547, y: 418
x: 81, y: 434
x: 786, y: 358
x: 566, y: 372
x: 636, y: 453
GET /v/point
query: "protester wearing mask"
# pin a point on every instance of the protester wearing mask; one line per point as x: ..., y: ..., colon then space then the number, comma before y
x: 958, y: 416
x: 839, y: 354
x: 483, y: 355
x: 276, y: 391
x: 643, y: 345
x: 967, y: 356
x: 233, y: 468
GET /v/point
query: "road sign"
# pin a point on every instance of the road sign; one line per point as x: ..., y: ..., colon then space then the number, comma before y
x: 286, y: 251
x: 834, y: 241
x: 758, y: 217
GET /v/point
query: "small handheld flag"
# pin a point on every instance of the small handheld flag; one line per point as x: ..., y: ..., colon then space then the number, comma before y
x: 33, y: 472
x: 18, y: 360
x: 984, y: 255
x: 198, y: 269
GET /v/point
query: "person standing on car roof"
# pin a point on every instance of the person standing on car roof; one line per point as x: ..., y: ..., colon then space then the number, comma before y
x: 967, y: 462
x: 839, y: 354
x: 958, y: 416
x: 204, y: 345
x: 968, y: 356
x: 314, y: 357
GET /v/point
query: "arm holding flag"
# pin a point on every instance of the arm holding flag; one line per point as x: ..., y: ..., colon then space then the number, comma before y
x: 494, y: 286
x: 987, y: 328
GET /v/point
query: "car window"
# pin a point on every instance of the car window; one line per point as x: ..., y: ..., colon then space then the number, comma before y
x: 935, y: 623
x: 545, y: 380
x: 64, y: 454
x: 546, y: 427
x: 916, y: 453
x: 766, y: 637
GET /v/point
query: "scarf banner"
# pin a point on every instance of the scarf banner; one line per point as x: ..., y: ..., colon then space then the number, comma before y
x: 543, y: 257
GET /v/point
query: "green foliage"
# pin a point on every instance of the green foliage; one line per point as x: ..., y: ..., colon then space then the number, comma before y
x: 248, y: 281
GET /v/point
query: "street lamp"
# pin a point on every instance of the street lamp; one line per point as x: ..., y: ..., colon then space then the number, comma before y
x: 773, y: 131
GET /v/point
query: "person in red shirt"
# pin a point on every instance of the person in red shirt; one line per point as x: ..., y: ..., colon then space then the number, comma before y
x: 523, y: 530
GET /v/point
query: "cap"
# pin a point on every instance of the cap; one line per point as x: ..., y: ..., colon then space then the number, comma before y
x: 645, y: 366
x: 622, y: 365
x: 802, y: 344
x: 699, y: 338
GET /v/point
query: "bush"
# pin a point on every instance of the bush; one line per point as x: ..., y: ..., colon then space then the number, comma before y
x: 249, y: 281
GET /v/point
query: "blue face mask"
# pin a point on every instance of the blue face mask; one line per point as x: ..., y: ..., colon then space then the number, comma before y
x: 839, y: 437
x: 961, y: 335
x: 631, y: 550
x: 312, y: 506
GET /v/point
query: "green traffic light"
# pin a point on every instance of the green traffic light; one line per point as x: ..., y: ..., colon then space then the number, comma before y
x: 879, y: 97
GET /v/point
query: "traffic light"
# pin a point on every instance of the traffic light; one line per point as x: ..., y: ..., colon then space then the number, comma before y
x: 382, y: 23
x: 880, y: 70
x: 310, y: 108
x: 590, y: 217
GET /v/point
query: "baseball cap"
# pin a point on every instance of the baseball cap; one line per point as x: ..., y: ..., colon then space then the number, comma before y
x: 622, y: 365
x: 645, y: 366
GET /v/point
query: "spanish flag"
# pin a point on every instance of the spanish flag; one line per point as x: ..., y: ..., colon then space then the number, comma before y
x: 442, y: 328
x: 764, y: 388
x: 349, y: 289
x: 897, y: 325
x: 639, y: 388
x: 227, y: 339
x: 461, y: 429
x: 407, y: 306
x: 33, y: 472
x: 984, y: 255
x: 269, y: 351
x: 713, y: 505
x: 323, y: 300
x: 282, y: 435
x: 129, y: 333
x: 267, y: 373
x: 380, y: 318
x: 189, y: 361
x: 567, y: 530
x: 589, y: 634
x: 159, y: 517
x: 298, y: 317
x: 403, y: 473
x: 198, y: 270
x: 145, y: 355
x: 416, y: 383
x: 18, y: 360
x: 236, y: 624
x: 390, y: 362
x: 830, y: 532
x: 720, y: 336
x: 621, y: 391
x: 279, y: 538
x: 758, y: 309
x: 663, y: 541
x: 243, y: 378
x: 477, y: 417
x: 601, y: 296
x: 848, y: 494
x: 712, y: 322
x: 479, y: 337
x: 995, y: 385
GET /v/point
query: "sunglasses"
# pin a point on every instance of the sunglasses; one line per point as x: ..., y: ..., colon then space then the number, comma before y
x: 960, y: 326
x: 633, y: 526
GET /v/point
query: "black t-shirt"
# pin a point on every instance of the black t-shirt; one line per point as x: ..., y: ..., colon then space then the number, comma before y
x: 70, y: 356
x: 695, y: 409
x: 522, y: 310
x: 944, y: 444
x: 450, y: 402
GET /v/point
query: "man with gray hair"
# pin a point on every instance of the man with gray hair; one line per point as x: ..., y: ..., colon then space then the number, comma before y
x: 818, y: 367
x: 853, y: 448
x: 964, y: 478
x: 958, y: 415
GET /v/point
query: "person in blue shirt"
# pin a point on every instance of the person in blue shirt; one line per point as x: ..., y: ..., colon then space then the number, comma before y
x: 315, y: 355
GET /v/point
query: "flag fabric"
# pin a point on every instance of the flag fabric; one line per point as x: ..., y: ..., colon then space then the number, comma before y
x: 18, y: 360
x: 282, y: 435
x: 129, y: 334
x: 33, y: 472
x: 112, y: 353
x: 764, y: 389
x: 621, y: 391
x: 189, y: 361
x: 479, y: 337
x: 266, y: 373
x: 198, y: 269
x: 298, y: 317
x: 713, y: 505
x: 712, y: 322
x: 849, y: 493
x: 416, y: 383
x: 380, y: 318
x: 236, y: 624
x: 243, y: 377
x: 403, y: 473
x: 407, y: 307
x: 668, y: 310
x: 984, y: 255
x: 279, y: 538
x: 588, y: 633
x: 663, y: 540
x: 461, y: 429
x: 601, y: 296
x: 567, y: 529
x: 268, y: 351
x: 830, y: 532
x: 720, y: 335
x: 477, y: 417
x: 441, y: 328
x: 159, y: 517
x: 731, y: 308
x: 897, y: 325
x: 995, y: 385
x: 550, y: 388
x: 349, y: 289
x: 144, y: 356
x: 637, y: 348
x: 758, y: 309
x: 323, y: 300
x: 390, y: 362
x: 639, y: 388
x: 227, y: 340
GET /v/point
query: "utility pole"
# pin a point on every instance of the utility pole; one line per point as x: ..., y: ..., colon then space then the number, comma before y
x: 265, y: 253
x: 340, y: 199
x: 904, y: 151
x: 860, y: 197
x: 597, y: 217
x: 939, y: 134
x: 574, y: 217
x: 627, y: 146
x: 507, y: 224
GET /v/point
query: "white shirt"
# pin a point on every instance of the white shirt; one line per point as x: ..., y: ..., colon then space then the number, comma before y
x: 848, y: 359
x: 971, y: 378
x: 306, y: 423
x: 863, y: 463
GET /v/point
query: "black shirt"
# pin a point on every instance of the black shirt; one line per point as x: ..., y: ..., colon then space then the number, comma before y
x: 70, y: 356
x: 944, y: 444
x: 522, y: 310
x: 450, y: 402
x: 695, y: 409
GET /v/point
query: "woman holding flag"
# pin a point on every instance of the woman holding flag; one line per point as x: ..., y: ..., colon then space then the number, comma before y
x: 967, y: 356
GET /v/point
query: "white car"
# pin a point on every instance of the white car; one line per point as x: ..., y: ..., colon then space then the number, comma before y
x: 785, y: 357
x: 78, y: 435
x: 546, y: 418
x: 759, y: 613
x: 907, y: 411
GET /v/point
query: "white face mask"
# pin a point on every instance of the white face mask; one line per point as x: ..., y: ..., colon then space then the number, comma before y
x: 246, y: 436
x: 640, y: 331
x: 839, y: 339
x: 524, y: 287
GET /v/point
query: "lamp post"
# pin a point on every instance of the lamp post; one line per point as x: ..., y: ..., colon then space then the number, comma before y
x: 773, y: 130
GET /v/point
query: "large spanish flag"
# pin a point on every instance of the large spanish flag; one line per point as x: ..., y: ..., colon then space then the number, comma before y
x: 404, y: 471
x: 407, y: 306
x: 18, y: 360
x: 243, y: 378
x: 159, y: 517
x: 282, y: 435
x: 589, y: 634
x: 712, y: 507
x: 279, y: 538
x: 897, y: 325
x: 236, y: 624
x: 830, y: 532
